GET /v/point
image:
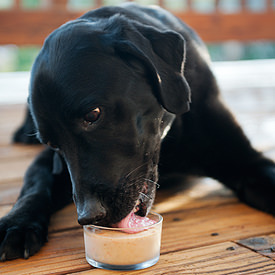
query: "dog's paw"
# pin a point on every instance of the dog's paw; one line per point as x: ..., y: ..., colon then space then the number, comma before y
x: 19, y: 240
x: 258, y: 190
x: 22, y: 135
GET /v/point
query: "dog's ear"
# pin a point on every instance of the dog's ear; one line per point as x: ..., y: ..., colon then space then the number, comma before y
x: 57, y: 164
x: 163, y: 54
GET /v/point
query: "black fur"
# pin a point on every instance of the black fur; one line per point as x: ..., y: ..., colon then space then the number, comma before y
x: 139, y: 66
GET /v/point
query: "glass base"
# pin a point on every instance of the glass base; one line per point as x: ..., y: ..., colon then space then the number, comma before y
x: 123, y: 267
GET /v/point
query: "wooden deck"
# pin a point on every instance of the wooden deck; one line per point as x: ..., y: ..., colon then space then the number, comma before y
x: 206, y: 229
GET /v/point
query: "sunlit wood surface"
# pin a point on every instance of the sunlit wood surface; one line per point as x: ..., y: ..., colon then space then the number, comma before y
x: 206, y: 229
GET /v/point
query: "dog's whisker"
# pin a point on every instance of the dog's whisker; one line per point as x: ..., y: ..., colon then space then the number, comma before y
x: 130, y: 173
x: 131, y: 183
x: 32, y: 135
x: 148, y: 197
x: 135, y: 182
x: 138, y: 179
x: 158, y: 186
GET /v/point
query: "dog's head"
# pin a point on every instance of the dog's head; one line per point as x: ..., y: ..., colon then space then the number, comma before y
x: 103, y: 95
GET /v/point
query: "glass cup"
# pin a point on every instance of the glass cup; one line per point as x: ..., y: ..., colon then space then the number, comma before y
x: 117, y: 249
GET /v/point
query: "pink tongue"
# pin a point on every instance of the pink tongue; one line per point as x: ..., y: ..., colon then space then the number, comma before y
x: 134, y: 222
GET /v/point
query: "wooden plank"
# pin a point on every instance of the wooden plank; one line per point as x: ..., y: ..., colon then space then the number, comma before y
x: 198, y: 227
x: 9, y: 192
x: 11, y: 112
x: 64, y: 219
x: 14, y: 158
x: 32, y: 27
x: 228, y: 219
x: 224, y: 258
x: 201, y: 219
x: 15, y: 169
x: 242, y: 27
x: 188, y: 229
x: 12, y: 151
x: 192, y: 193
x: 211, y: 196
x: 64, y: 253
x: 11, y: 116
x: 205, y: 193
x: 265, y: 245
x: 192, y: 228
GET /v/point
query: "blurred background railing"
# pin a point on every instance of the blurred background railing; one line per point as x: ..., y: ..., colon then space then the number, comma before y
x: 232, y: 29
x: 28, y: 22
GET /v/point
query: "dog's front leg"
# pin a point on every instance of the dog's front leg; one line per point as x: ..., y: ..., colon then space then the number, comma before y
x: 25, y: 228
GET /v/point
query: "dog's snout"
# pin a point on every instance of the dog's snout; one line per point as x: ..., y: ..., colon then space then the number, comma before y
x: 91, y: 212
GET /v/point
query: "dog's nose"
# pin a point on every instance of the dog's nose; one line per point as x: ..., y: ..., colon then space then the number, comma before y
x: 91, y: 212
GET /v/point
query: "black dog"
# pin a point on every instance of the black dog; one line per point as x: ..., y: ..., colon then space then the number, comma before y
x: 110, y: 95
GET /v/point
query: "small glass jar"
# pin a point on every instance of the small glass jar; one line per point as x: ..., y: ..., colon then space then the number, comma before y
x: 117, y: 249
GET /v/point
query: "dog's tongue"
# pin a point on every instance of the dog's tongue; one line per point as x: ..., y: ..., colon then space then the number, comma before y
x: 133, y: 223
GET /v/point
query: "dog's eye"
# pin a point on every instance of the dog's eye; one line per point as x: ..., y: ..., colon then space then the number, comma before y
x: 92, y: 116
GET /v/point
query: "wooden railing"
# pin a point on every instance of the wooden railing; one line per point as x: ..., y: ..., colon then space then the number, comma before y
x: 22, y: 26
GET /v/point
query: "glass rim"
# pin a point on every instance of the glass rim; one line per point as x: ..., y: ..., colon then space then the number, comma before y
x: 124, y: 229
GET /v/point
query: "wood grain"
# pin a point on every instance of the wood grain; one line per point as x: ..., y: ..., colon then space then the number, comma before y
x: 63, y: 253
x: 10, y: 118
x: 198, y: 227
x: 29, y: 27
x: 9, y: 191
x: 223, y: 258
x: 15, y: 151
x: 13, y: 170
x: 206, y: 229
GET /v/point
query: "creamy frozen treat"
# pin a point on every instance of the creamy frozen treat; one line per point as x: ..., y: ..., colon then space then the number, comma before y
x: 135, y: 246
